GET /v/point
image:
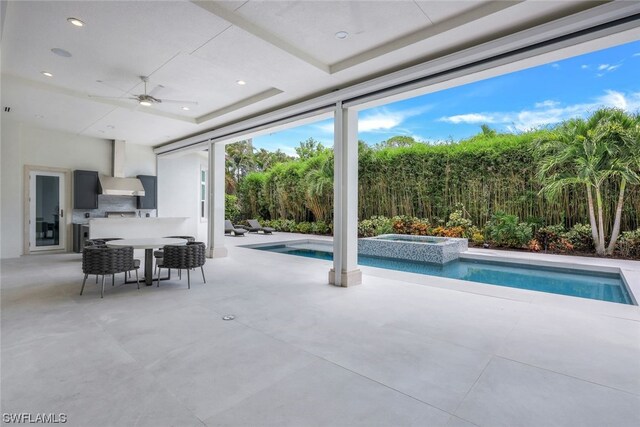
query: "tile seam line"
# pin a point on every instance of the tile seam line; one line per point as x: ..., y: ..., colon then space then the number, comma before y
x: 346, y: 369
x: 567, y: 375
x: 504, y: 339
x: 143, y: 369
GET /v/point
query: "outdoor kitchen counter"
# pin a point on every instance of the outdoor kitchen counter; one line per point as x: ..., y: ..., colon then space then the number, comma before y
x: 132, y: 228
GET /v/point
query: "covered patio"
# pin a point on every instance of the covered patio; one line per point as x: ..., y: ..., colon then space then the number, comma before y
x: 403, y: 350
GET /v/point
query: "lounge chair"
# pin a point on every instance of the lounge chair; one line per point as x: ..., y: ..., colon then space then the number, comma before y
x: 255, y: 227
x: 229, y: 228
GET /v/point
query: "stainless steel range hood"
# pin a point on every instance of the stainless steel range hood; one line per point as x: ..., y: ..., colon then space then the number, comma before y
x: 118, y: 185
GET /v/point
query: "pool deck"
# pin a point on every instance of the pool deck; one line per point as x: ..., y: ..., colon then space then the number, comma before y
x: 400, y: 349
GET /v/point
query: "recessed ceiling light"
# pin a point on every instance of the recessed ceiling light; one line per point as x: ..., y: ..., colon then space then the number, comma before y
x: 341, y: 35
x: 145, y: 103
x: 61, y: 52
x: 46, y: 73
x: 241, y: 82
x: 186, y: 108
x: 76, y: 22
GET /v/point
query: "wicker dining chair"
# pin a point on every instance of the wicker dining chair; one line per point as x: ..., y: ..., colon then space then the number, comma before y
x: 159, y: 253
x: 102, y: 261
x: 102, y: 242
x: 186, y: 257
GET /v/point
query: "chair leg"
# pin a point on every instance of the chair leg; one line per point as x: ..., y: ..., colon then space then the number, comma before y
x: 203, y: 279
x: 159, y: 271
x: 137, y: 279
x: 113, y: 280
x: 102, y: 289
x: 96, y: 279
x: 83, y: 282
x: 180, y: 274
x: 188, y: 278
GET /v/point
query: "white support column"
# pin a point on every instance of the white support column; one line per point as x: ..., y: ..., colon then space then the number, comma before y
x: 216, y: 218
x: 345, y: 199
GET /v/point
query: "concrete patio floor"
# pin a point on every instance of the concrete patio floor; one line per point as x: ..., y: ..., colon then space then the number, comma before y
x: 398, y: 350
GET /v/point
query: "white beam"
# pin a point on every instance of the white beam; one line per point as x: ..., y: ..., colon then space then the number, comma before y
x: 506, y: 45
x: 215, y: 219
x: 345, y: 270
x: 262, y: 33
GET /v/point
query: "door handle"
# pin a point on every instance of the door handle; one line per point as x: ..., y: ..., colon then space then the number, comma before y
x: 61, y: 213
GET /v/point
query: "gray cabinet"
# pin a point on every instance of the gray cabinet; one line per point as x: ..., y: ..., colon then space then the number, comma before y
x: 150, y: 198
x: 85, y: 189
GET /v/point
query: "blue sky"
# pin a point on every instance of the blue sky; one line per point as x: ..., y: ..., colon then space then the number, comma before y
x: 514, y: 102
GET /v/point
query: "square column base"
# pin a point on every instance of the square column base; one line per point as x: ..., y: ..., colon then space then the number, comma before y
x: 350, y: 278
x: 220, y: 252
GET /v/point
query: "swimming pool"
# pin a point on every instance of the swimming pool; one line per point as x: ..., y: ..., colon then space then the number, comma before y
x: 563, y: 281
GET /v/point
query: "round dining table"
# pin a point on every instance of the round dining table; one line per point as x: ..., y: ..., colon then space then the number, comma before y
x: 148, y: 244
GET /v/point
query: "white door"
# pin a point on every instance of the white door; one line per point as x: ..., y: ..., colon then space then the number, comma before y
x: 46, y: 211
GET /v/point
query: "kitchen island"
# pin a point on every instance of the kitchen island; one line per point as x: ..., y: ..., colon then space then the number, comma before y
x: 133, y: 228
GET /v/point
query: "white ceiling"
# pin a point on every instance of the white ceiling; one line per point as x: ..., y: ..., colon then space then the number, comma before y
x: 286, y: 51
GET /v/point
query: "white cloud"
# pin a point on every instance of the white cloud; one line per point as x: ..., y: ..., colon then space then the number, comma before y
x: 326, y: 128
x: 584, y: 66
x: 636, y: 54
x: 612, y: 98
x: 606, y: 68
x: 548, y: 112
x: 379, y: 121
x: 382, y: 119
x: 547, y: 103
x: 471, y: 118
x: 555, y: 65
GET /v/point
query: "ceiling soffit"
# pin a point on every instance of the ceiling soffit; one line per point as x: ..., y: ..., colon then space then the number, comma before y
x: 234, y: 16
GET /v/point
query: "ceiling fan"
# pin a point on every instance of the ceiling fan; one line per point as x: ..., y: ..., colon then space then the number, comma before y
x: 147, y: 99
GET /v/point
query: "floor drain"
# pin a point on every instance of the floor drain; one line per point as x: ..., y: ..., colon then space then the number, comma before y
x: 228, y: 317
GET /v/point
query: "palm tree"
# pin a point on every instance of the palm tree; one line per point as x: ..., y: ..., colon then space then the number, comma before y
x: 589, y: 152
x: 622, y: 132
x: 318, y: 184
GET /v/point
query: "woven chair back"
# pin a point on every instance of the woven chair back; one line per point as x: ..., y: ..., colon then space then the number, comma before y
x: 189, y: 256
x: 104, y: 260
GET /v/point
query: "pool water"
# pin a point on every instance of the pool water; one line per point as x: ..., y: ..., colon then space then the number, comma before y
x: 564, y: 281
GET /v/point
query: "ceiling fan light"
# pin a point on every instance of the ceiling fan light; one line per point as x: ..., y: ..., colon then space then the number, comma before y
x: 145, y: 103
x: 76, y: 22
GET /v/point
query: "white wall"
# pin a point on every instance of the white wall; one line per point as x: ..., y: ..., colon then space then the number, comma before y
x: 22, y: 145
x: 178, y: 190
x: 139, y: 160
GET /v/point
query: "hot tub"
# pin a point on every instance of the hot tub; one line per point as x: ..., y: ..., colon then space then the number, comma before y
x: 435, y: 250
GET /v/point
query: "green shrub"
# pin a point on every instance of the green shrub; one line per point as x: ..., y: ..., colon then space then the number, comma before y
x: 231, y: 207
x: 505, y: 230
x: 628, y: 244
x: 550, y: 237
x: 580, y: 237
x: 457, y: 219
x: 375, y: 226
x: 304, y: 227
x: 320, y: 227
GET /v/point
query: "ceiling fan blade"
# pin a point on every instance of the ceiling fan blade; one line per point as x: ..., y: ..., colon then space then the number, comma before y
x: 173, y: 101
x: 155, y: 90
x: 110, y: 97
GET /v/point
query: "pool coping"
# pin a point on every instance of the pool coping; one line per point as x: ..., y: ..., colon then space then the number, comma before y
x: 630, y: 277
